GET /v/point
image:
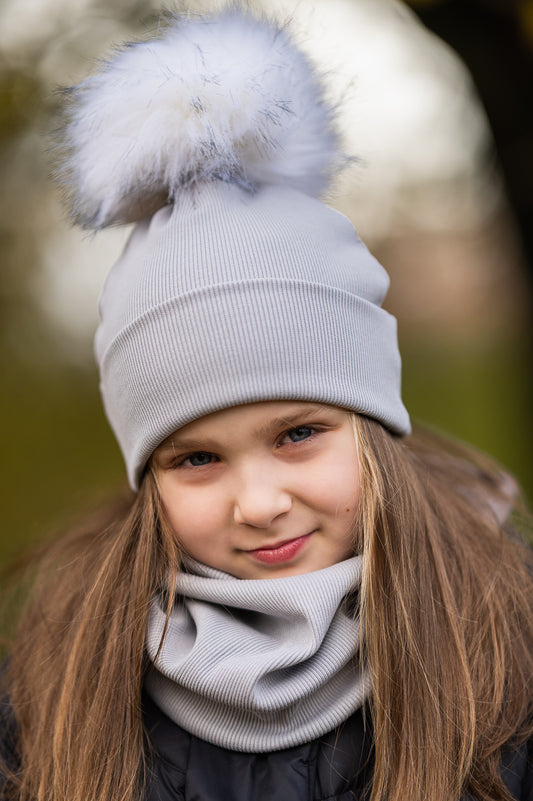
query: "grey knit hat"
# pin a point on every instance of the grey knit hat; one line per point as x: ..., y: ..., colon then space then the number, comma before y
x: 237, y: 285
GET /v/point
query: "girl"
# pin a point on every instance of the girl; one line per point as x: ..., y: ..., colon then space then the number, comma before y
x: 302, y: 600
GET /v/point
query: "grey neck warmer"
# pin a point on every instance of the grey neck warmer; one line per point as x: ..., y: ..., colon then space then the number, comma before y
x: 262, y: 665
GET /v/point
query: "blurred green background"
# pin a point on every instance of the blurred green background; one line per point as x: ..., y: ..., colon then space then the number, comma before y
x: 443, y: 196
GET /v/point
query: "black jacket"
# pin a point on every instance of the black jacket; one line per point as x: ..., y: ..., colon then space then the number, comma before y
x: 337, y: 767
x: 188, y: 769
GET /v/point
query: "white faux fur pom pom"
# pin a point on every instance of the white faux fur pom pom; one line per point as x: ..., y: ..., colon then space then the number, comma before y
x: 224, y: 97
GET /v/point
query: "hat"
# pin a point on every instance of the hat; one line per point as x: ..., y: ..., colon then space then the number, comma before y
x: 237, y: 284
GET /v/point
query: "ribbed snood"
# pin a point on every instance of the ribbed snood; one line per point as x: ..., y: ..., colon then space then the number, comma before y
x: 261, y: 665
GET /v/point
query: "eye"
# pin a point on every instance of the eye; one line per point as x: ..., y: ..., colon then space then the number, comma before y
x: 299, y: 434
x: 198, y: 459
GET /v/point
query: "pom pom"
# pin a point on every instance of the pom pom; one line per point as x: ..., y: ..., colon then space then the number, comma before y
x: 224, y: 97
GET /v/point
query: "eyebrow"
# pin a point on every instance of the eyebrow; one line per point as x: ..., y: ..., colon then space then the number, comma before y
x: 183, y: 443
x: 302, y: 415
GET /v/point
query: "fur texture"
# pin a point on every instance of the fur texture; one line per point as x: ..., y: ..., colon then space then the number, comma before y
x: 224, y: 97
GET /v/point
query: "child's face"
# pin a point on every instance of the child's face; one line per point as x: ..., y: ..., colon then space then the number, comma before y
x: 263, y: 490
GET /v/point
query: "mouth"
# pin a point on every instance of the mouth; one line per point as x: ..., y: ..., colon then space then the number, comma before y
x: 280, y: 552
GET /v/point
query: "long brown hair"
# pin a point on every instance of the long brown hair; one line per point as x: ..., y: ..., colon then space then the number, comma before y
x: 76, y: 667
x: 447, y: 611
x: 446, y: 606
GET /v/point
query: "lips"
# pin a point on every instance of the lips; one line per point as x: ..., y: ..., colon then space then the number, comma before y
x: 281, y: 552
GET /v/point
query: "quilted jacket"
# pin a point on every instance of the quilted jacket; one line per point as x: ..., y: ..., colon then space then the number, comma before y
x: 337, y: 767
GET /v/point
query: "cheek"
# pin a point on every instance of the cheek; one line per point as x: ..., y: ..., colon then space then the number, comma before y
x: 191, y: 516
x: 345, y: 494
x: 336, y: 486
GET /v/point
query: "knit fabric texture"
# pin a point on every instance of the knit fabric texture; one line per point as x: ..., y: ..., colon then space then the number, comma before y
x: 258, y: 666
x: 231, y: 297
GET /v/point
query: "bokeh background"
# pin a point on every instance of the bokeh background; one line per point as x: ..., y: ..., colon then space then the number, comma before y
x: 436, y: 105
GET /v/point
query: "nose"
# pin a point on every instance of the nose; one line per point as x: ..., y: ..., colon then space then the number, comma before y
x: 260, y: 499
